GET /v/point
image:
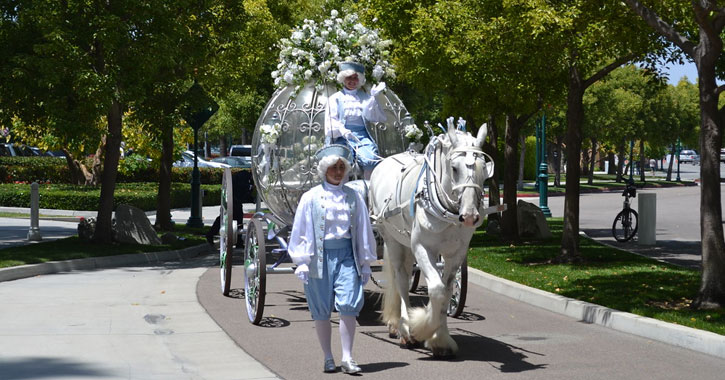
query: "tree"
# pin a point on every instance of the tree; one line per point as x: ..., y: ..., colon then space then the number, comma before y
x: 74, y: 63
x: 697, y: 31
x: 472, y: 53
x: 596, y: 38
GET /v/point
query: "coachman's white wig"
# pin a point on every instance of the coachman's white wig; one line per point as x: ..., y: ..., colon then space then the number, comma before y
x: 329, y: 155
x: 349, y: 68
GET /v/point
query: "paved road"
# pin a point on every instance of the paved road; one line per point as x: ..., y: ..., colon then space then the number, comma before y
x: 499, y: 338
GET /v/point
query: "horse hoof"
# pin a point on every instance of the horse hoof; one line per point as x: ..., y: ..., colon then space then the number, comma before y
x: 443, y: 354
x: 410, y: 344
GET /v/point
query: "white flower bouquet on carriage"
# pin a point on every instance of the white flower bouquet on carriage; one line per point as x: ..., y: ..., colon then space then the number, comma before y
x: 314, y: 50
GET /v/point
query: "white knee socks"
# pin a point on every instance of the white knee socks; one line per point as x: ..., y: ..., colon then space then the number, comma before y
x: 324, y: 333
x: 347, y: 335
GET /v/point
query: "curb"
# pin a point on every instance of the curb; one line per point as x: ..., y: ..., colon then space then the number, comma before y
x: 686, y: 337
x: 31, y: 270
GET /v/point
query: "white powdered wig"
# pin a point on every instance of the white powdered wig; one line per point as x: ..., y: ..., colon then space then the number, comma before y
x: 346, y: 73
x: 328, y: 161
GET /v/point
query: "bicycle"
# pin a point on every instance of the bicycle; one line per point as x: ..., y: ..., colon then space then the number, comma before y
x: 625, y: 224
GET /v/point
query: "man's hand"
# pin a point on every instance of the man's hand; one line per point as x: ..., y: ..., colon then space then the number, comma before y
x: 378, y: 88
x: 365, y: 274
x: 303, y: 272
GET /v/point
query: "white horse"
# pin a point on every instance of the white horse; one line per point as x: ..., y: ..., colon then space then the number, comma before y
x: 427, y: 206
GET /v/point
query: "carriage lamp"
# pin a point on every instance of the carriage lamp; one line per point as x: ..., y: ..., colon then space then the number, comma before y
x: 199, y: 107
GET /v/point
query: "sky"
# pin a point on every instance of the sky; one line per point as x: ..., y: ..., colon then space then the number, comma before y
x: 688, y: 69
x: 678, y: 71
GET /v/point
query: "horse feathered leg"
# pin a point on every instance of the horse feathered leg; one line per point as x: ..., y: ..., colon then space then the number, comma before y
x: 430, y: 324
x: 442, y: 344
x: 397, y: 266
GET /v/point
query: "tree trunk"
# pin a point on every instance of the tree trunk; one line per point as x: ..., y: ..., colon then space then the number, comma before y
x: 641, y: 160
x: 522, y: 154
x: 557, y: 162
x: 104, y: 232
x: 163, y: 199
x: 712, y: 287
x: 612, y: 165
x: 80, y: 175
x: 672, y: 161
x: 491, y: 148
x: 574, y: 117
x: 223, y: 148
x: 592, y: 161
x: 509, y: 220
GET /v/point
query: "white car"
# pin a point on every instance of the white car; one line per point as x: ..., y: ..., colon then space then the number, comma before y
x: 688, y: 155
x: 187, y: 161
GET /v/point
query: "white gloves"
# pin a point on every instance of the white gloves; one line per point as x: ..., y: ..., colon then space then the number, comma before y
x: 365, y: 274
x: 378, y: 88
x: 351, y: 137
x: 303, y: 272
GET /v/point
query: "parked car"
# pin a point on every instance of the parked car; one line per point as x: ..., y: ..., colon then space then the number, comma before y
x: 7, y: 150
x: 187, y: 161
x: 242, y: 151
x: 722, y: 155
x: 234, y: 161
x: 687, y: 155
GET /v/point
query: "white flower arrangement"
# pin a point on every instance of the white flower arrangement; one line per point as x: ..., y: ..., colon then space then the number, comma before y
x: 313, y: 51
x: 412, y: 132
x: 270, y: 133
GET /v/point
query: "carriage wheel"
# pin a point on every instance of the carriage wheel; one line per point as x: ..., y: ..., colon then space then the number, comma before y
x: 255, y: 270
x: 226, y: 231
x: 460, y: 288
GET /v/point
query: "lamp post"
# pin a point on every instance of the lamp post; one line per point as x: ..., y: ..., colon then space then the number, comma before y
x: 199, y: 108
x: 543, y: 177
x: 678, y: 150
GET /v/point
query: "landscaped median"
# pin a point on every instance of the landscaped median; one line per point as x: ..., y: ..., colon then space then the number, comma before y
x: 74, y: 248
x: 606, y: 276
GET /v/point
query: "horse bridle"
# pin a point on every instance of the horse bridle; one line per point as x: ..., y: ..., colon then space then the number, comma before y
x: 443, y: 206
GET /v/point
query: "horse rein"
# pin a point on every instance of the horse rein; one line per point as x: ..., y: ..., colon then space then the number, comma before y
x: 442, y: 206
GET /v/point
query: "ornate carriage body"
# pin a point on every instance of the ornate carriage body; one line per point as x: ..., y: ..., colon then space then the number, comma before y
x: 285, y: 169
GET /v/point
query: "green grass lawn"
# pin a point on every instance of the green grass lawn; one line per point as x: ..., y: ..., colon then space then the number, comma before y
x: 75, y: 248
x: 608, y: 277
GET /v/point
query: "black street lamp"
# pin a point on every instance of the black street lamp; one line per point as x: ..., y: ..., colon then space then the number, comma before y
x: 543, y: 169
x: 199, y: 108
x: 678, y: 150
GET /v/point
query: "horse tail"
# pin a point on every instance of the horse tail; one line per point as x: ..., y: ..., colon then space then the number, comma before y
x: 391, y: 298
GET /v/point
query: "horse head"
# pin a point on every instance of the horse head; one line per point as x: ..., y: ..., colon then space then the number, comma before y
x: 464, y: 173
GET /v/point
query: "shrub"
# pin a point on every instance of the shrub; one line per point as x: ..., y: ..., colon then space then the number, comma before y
x: 73, y: 197
x: 34, y: 169
x: 131, y: 169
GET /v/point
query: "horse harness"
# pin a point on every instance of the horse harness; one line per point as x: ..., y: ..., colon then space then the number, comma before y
x: 429, y: 190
